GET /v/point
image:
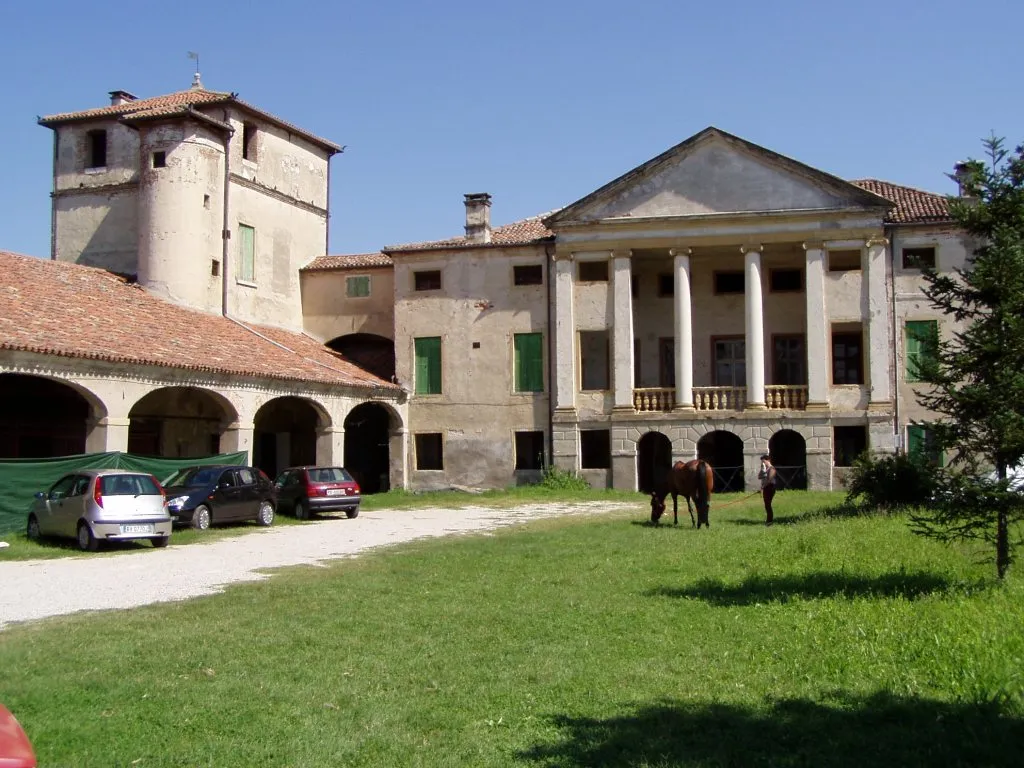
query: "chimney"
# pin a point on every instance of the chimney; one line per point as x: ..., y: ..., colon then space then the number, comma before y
x: 478, y: 217
x: 120, y: 97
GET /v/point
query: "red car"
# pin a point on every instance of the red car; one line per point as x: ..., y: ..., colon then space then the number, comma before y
x: 305, y: 490
x: 15, y: 750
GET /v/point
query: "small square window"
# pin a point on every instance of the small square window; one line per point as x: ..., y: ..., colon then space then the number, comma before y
x: 206, y: 202
x: 919, y: 258
x: 159, y: 159
x: 530, y: 450
x: 429, y: 451
x: 427, y: 281
x: 844, y: 261
x: 786, y: 280
x: 528, y: 274
x: 729, y: 282
x: 357, y: 286
x: 214, y: 268
x: 593, y: 271
x: 595, y: 448
x: 847, y: 444
x: 666, y: 285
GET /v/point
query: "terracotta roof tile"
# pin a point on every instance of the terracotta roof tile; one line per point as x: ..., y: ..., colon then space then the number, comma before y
x: 523, y: 232
x: 912, y: 206
x: 348, y: 261
x: 56, y: 308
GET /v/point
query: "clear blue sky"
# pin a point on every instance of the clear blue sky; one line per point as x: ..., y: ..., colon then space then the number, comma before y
x: 536, y: 103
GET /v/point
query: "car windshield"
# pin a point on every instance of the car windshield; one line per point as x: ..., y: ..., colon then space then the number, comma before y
x: 328, y: 475
x: 194, y: 476
x: 129, y: 485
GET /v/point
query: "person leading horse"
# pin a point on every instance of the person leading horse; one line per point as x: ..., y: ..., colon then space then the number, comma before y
x: 691, y: 479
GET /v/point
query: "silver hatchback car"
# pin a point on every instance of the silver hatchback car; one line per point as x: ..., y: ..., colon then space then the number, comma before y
x: 102, y: 505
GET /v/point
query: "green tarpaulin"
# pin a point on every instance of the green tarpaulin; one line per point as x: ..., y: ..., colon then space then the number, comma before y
x: 20, y: 479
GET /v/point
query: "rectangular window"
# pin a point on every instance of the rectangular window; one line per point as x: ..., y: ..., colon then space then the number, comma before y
x: 595, y: 448
x: 666, y: 285
x: 730, y: 362
x: 789, y: 360
x: 246, y: 253
x: 847, y: 444
x: 97, y: 149
x: 427, y: 281
x: 730, y: 282
x: 922, y: 339
x: 593, y: 272
x: 357, y: 286
x: 847, y: 358
x: 594, y: 360
x: 666, y: 362
x: 528, y: 274
x: 921, y: 444
x: 428, y: 365
x: 529, y: 362
x: 249, y: 142
x: 530, y: 450
x: 429, y: 451
x: 844, y: 261
x: 917, y: 258
x: 786, y: 280
x: 159, y: 159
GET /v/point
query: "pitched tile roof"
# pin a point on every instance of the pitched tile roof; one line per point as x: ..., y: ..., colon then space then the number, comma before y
x: 68, y: 310
x: 348, y: 261
x: 523, y: 232
x: 177, y: 104
x: 912, y: 206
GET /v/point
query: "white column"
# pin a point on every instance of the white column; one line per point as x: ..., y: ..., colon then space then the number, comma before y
x: 622, y: 332
x: 818, y: 357
x: 879, y: 328
x: 238, y: 437
x: 754, y: 306
x: 109, y: 435
x: 684, y: 329
x: 565, y: 334
x: 330, y: 446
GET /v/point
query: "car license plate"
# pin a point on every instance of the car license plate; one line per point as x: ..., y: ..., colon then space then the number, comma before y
x: 136, y: 529
x: 335, y: 491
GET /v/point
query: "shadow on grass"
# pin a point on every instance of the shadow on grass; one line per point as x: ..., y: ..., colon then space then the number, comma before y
x: 880, y: 730
x: 765, y: 589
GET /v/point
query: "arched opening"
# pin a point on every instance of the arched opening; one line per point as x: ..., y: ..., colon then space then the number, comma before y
x: 653, y: 461
x: 179, y: 422
x: 367, y: 453
x: 41, y: 418
x: 284, y: 434
x: 370, y: 352
x: 789, y: 455
x: 724, y: 451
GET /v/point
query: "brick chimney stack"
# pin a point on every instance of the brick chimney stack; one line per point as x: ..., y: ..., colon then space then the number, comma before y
x: 478, y: 217
x: 120, y: 97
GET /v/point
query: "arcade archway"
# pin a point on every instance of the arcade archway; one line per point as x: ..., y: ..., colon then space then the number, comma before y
x: 372, y: 353
x: 284, y: 434
x: 41, y: 418
x: 179, y: 422
x: 653, y: 461
x: 788, y: 450
x: 367, y: 450
x: 724, y: 451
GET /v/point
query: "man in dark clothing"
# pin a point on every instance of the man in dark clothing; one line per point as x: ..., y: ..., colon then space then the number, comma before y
x: 767, y: 475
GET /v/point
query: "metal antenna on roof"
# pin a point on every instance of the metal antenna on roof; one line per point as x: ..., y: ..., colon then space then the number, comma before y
x: 196, y: 82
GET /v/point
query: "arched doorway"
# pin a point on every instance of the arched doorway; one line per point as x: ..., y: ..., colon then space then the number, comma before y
x: 284, y: 434
x: 370, y: 352
x: 179, y: 422
x: 789, y: 455
x: 724, y: 451
x: 41, y: 418
x: 653, y: 461
x: 367, y: 453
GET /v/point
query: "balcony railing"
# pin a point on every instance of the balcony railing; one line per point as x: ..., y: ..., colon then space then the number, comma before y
x: 778, y: 397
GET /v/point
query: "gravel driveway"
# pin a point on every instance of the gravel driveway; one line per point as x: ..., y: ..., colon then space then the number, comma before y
x: 35, y: 589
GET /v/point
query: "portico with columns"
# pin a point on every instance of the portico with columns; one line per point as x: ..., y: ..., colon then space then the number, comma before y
x: 744, y: 293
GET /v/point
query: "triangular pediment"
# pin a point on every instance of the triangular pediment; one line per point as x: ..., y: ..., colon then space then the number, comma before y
x: 717, y: 173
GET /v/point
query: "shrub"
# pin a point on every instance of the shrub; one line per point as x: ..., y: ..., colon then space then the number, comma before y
x: 890, y: 481
x: 557, y: 479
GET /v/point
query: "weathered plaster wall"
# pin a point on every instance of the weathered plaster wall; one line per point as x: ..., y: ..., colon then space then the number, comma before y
x: 327, y: 312
x: 73, y: 149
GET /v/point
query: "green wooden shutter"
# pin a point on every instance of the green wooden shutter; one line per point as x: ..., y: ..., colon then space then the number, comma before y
x: 428, y: 366
x: 247, y: 253
x: 529, y: 362
x: 922, y: 339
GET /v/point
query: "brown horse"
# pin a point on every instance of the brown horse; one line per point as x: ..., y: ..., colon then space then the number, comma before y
x: 693, y: 479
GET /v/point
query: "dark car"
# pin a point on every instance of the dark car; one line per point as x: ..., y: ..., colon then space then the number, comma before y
x: 305, y: 490
x: 203, y: 496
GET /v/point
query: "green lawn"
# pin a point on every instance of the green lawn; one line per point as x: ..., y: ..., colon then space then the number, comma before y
x: 594, y: 641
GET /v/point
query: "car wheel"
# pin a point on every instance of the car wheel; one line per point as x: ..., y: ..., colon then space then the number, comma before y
x: 302, y: 510
x: 352, y: 512
x: 266, y: 514
x: 201, y: 518
x: 87, y: 542
x: 32, y: 530
x: 161, y: 541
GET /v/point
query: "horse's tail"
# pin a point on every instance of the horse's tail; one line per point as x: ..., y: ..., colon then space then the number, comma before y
x: 701, y: 491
